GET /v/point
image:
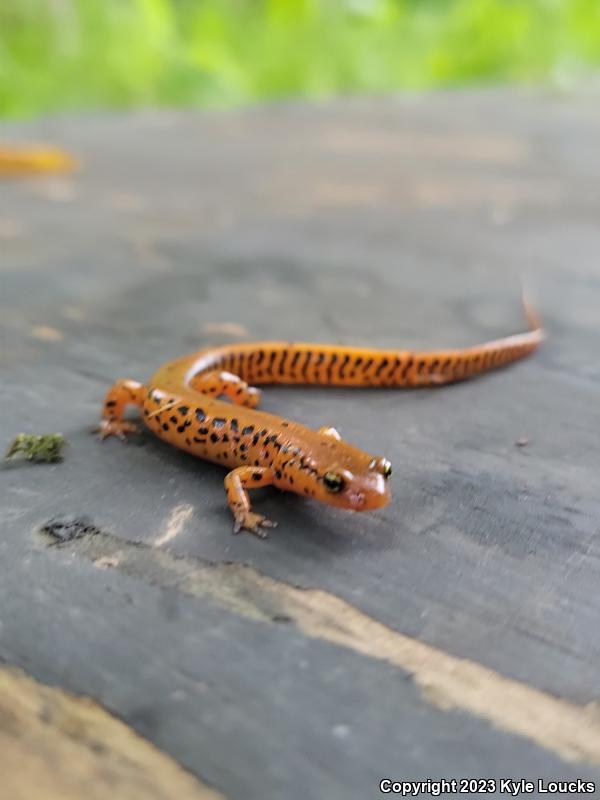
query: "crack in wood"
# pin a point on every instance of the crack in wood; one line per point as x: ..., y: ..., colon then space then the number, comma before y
x: 569, y: 730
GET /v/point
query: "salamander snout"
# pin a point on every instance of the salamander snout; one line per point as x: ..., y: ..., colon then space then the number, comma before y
x: 359, y: 490
x: 367, y: 492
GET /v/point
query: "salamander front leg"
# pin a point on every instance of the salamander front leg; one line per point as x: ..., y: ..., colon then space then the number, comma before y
x: 120, y: 395
x: 237, y: 482
x: 233, y: 387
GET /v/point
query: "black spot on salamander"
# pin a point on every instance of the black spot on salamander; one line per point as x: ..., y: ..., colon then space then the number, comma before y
x: 234, y: 425
x: 294, y: 361
x: 393, y: 369
x: 278, y: 474
x: 255, y: 438
x: 203, y: 431
x: 225, y: 437
x: 243, y: 448
x: 165, y: 427
x: 257, y: 476
x: 259, y: 357
x: 111, y: 403
x: 406, y: 367
x: 218, y: 422
x: 183, y: 410
x: 264, y: 432
x: 367, y: 365
x: 281, y: 368
x: 331, y: 365
x: 200, y: 415
x: 236, y: 439
x: 173, y: 419
x: 343, y: 365
x: 214, y: 437
x: 180, y: 428
x: 307, y: 361
x: 381, y: 367
x: 247, y: 430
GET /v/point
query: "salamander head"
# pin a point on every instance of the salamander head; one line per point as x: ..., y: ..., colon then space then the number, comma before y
x: 360, y: 484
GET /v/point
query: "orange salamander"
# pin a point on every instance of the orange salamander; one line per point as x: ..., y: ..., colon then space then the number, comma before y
x: 181, y: 405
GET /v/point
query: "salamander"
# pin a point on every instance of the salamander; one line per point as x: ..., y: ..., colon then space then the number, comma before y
x: 182, y: 404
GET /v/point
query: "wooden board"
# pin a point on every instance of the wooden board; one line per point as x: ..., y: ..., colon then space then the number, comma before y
x: 454, y: 633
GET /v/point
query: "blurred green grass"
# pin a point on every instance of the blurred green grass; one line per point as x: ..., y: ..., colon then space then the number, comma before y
x: 67, y: 54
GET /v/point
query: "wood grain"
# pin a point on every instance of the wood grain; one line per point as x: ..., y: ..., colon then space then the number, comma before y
x: 56, y: 746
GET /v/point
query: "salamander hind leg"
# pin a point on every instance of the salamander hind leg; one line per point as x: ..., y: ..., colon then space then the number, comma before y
x: 121, y: 394
x: 228, y: 384
x: 237, y: 482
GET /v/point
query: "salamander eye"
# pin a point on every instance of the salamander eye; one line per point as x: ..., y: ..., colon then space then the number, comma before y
x: 383, y: 466
x: 333, y: 482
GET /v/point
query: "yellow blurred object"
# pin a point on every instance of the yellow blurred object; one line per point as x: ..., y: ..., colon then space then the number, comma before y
x: 28, y: 160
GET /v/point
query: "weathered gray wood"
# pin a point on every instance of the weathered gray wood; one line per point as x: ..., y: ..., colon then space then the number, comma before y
x: 401, y: 222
